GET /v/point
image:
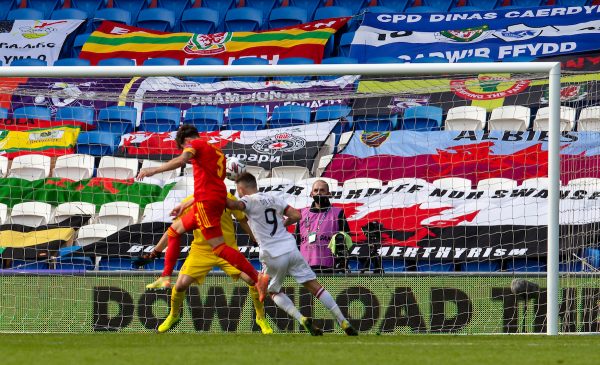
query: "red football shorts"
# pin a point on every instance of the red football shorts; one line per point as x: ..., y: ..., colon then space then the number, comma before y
x: 205, y: 216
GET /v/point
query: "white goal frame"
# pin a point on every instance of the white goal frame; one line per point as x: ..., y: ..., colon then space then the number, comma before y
x: 552, y: 69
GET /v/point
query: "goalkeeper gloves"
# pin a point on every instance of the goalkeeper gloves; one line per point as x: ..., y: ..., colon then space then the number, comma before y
x: 146, y: 258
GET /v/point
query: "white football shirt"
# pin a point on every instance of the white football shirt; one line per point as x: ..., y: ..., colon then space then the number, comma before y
x: 265, y: 217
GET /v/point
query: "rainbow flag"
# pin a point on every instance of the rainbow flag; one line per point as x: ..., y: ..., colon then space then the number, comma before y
x: 119, y: 40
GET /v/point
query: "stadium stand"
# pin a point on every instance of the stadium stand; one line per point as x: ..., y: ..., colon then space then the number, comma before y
x: 243, y: 20
x: 46, y: 7
x: 132, y: 6
x: 32, y: 112
x: 117, y: 61
x: 74, y: 167
x: 287, y: 16
x: 200, y: 20
x: 159, y: 19
x: 112, y: 14
x: 117, y: 119
x: 89, y: 6
x: 205, y: 118
x: 160, y: 119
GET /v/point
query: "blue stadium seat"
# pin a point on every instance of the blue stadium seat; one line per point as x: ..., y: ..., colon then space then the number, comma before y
x: 440, y: 5
x: 266, y: 6
x: 475, y: 59
x: 117, y: 61
x: 29, y: 265
x: 430, y: 60
x: 61, y: 14
x: 480, y: 266
x: 221, y: 6
x: 200, y: 21
x: 398, y: 5
x: 78, y: 43
x: 375, y: 123
x: 484, y: 4
x: 526, y: 3
x: 6, y: 6
x: 97, y: 143
x: 32, y: 112
x: 89, y: 6
x: 3, y: 113
x: 205, y: 118
x: 25, y: 14
x: 332, y: 12
x: 385, y: 60
x: 132, y: 6
x: 250, y: 61
x: 345, y: 43
x: 353, y: 5
x: 287, y: 16
x: 462, y: 9
x: 79, y: 263
x: 309, y: 5
x: 525, y: 265
x: 161, y: 61
x: 294, y: 61
x: 380, y: 10
x: 435, y: 266
x: 247, y: 118
x: 422, y: 118
x: 243, y: 20
x: 45, y: 6
x: 205, y: 61
x: 336, y: 61
x: 160, y: 119
x: 331, y: 112
x: 289, y: 115
x: 592, y: 256
x: 571, y: 266
x: 159, y: 19
x: 77, y: 113
x: 422, y: 10
x: 28, y: 62
x: 571, y: 2
x: 113, y: 15
x: 114, y: 263
x: 177, y: 7
x: 72, y: 62
x: 117, y: 119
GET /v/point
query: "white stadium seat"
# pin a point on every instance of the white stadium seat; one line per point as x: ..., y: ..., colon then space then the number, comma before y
x: 362, y: 183
x: 567, y: 119
x: 465, y: 118
x: 94, y: 233
x: 30, y: 167
x: 453, y: 183
x: 119, y: 214
x: 164, y: 176
x: 3, y: 213
x: 589, y: 119
x: 117, y: 168
x: 66, y: 210
x: 510, y: 118
x: 344, y: 140
x: 584, y: 183
x: 32, y: 214
x: 497, y: 183
x: 74, y: 167
x: 257, y: 171
x: 536, y: 183
x: 324, y: 161
x: 158, y: 211
x: 3, y: 166
x: 408, y: 181
x: 184, y: 183
x: 293, y: 173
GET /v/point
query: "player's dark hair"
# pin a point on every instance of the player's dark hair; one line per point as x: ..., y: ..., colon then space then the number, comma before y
x: 185, y: 131
x: 247, y: 179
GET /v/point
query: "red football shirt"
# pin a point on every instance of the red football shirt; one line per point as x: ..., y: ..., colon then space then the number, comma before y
x: 209, y: 170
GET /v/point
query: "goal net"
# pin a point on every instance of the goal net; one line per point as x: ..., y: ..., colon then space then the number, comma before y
x: 442, y: 180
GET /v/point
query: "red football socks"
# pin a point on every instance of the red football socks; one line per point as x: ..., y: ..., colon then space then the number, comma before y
x: 235, y: 258
x: 172, y: 251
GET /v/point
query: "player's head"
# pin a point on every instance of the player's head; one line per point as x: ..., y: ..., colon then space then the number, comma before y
x: 246, y: 184
x: 185, y: 134
x: 320, y: 193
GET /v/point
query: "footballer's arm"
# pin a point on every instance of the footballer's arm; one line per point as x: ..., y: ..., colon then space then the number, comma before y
x: 246, y: 228
x: 235, y: 204
x: 293, y: 216
x: 177, y: 162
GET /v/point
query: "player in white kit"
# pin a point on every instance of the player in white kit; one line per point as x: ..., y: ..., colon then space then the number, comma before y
x: 279, y: 253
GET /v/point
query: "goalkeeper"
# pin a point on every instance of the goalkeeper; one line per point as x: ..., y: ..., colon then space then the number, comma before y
x: 198, y: 264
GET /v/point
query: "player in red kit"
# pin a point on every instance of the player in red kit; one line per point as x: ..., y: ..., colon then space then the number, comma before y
x: 210, y: 196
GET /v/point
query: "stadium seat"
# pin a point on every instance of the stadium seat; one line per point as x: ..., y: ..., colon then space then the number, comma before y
x: 30, y: 167
x: 249, y: 61
x: 309, y: 5
x: 592, y: 256
x: 32, y: 112
x: 336, y: 61
x: 422, y: 118
x: 334, y: 12
x: 345, y: 44
x: 375, y: 123
x: 119, y: 214
x: 46, y: 7
x: 265, y: 6
x: 364, y: 183
x: 287, y: 16
x: 161, y: 61
x: 452, y: 183
x: 247, y: 118
x: 379, y: 10
x: 572, y: 2
x: 97, y: 143
x: 112, y: 14
x: 205, y: 118
x: 353, y: 5
x: 293, y: 173
x: 422, y: 10
x: 3, y: 113
x: 332, y: 112
x: 115, y: 263
x: 221, y: 6
x: 475, y: 59
x: 67, y: 210
x: 526, y: 3
x: 294, y: 61
x: 510, y: 118
x: 385, y: 60
x: 132, y: 6
x: 61, y: 14
x: 183, y: 183
x: 257, y: 171
x: 76, y: 113
x: 465, y: 118
x: 584, y: 183
x: 441, y: 5
x: 71, y: 62
x: 177, y: 7
x: 525, y: 265
x: 480, y: 266
x: 289, y: 115
x: 243, y: 20
x: 3, y: 166
x: 93, y: 233
x: 567, y: 119
x: 157, y: 212
x: 430, y: 60
x: 497, y: 183
x: 205, y: 61
x: 200, y: 21
x: 164, y: 176
x: 159, y: 19
x: 3, y: 213
x: 463, y: 9
x: 117, y: 61
x: 435, y: 266
x: 398, y: 5
x: 571, y: 266
x: 589, y: 119
x: 536, y: 183
x: 79, y: 41
x: 28, y: 62
x: 24, y: 14
x: 74, y: 263
x: 74, y: 167
x: 324, y: 161
x: 484, y: 4
x: 273, y: 182
x: 89, y: 6
x: 6, y: 6
x: 160, y: 119
x: 117, y: 119
x: 31, y: 214
x: 117, y: 168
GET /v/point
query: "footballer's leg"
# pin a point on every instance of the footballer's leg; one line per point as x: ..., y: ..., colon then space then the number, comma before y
x: 259, y: 306
x: 177, y: 297
x: 164, y: 281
